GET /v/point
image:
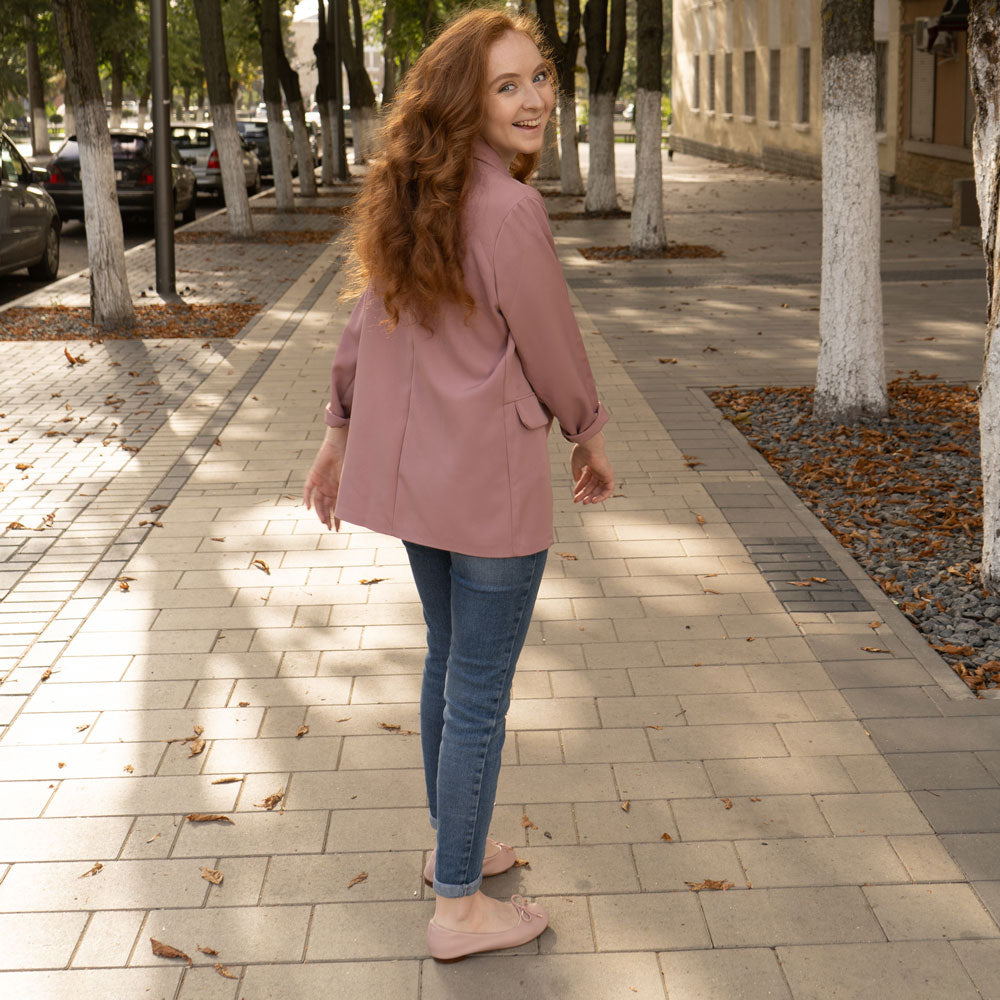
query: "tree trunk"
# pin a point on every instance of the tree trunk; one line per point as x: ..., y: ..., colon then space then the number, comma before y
x: 564, y: 55
x: 648, y: 230
x: 605, y: 61
x: 850, y: 373
x: 140, y: 122
x: 110, y: 302
x: 336, y: 16
x: 548, y: 165
x: 321, y: 49
x: 984, y: 72
x: 389, y: 71
x: 36, y: 97
x: 362, y: 94
x: 220, y: 96
x: 270, y: 43
x: 115, y: 119
x: 296, y: 109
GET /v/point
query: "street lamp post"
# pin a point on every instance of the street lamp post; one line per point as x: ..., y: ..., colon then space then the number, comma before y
x: 163, y: 194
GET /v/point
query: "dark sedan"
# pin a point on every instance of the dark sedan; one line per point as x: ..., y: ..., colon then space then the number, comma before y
x: 29, y: 223
x: 133, y: 155
x: 254, y: 134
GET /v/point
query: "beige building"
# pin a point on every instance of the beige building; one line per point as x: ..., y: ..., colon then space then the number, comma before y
x: 747, y: 88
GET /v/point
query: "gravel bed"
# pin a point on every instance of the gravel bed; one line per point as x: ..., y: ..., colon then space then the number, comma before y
x: 903, y: 495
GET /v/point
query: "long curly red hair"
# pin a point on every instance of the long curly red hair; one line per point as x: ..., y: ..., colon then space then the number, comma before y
x: 405, y: 229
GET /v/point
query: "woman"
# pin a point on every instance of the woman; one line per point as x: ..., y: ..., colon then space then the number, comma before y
x: 459, y: 352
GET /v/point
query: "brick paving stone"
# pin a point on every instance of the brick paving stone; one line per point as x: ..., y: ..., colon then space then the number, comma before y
x: 320, y: 980
x: 653, y: 921
x: 89, y: 984
x: 38, y: 940
x: 738, y: 973
x: 982, y: 962
x: 924, y: 912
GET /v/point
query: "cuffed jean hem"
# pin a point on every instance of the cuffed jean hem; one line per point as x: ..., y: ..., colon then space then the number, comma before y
x: 434, y: 822
x: 457, y: 891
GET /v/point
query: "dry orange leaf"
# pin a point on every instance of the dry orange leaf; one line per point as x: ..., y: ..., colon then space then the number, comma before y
x: 701, y: 520
x: 156, y: 507
x: 521, y: 863
x: 657, y: 728
x: 567, y: 555
x: 874, y: 649
x: 272, y: 800
x: 207, y: 951
x: 626, y: 805
x: 212, y: 875
x: 261, y: 565
x: 223, y: 970
x: 77, y: 359
x: 874, y: 624
x: 209, y: 818
x: 83, y: 728
x: 93, y: 871
x: 360, y: 877
x: 218, y: 538
x: 667, y: 361
x: 46, y: 673
x: 129, y: 768
x: 666, y: 837
x: 162, y: 950
x: 225, y: 781
x: 527, y: 824
x: 819, y: 579
x: 301, y: 731
x: 196, y: 747
x: 375, y: 579
x: 708, y: 590
x: 709, y: 883
x: 728, y: 803
x: 799, y: 583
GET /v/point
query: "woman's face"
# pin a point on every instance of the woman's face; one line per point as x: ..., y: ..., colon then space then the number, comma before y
x: 519, y: 96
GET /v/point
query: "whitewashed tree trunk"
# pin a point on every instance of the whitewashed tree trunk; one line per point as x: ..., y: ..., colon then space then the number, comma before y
x: 110, y: 302
x: 984, y: 72
x: 36, y: 97
x: 850, y: 374
x: 548, y: 165
x: 220, y: 96
x: 234, y: 184
x: 648, y: 231
x: 303, y: 151
x: 328, y: 125
x: 284, y: 195
x: 363, y: 131
x: 270, y: 49
x: 602, y: 193
x: 69, y: 116
x: 571, y: 180
x: 140, y: 118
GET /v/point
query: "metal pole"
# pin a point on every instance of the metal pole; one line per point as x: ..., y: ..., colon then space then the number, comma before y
x: 163, y: 193
x: 338, y: 93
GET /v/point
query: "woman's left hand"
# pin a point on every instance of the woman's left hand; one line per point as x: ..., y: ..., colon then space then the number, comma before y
x: 323, y: 482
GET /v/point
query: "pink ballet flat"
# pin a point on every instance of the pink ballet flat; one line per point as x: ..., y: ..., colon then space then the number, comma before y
x: 502, y: 861
x: 452, y: 946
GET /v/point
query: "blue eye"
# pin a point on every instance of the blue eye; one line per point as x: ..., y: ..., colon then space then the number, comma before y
x: 542, y: 75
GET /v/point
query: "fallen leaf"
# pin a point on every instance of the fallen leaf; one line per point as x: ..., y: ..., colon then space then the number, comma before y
x: 819, y: 579
x: 167, y: 951
x: 526, y: 823
x: 156, y: 836
x: 196, y: 747
x: 46, y: 673
x: 666, y: 837
x: 225, y: 781
x: 212, y: 875
x: 708, y: 590
x: 271, y: 800
x: 393, y: 727
x: 667, y: 361
x: 156, y: 507
x: 207, y: 951
x: 709, y: 883
x: 223, y: 970
x: 155, y: 524
x: 375, y: 579
x: 93, y: 871
x: 261, y: 565
x: 21, y: 466
x: 209, y: 818
x: 83, y: 728
x: 61, y: 763
x: 728, y: 803
x: 567, y: 555
x: 874, y: 649
x: 243, y: 704
x: 358, y: 879
x: 700, y: 519
x: 301, y: 731
x: 875, y: 624
x: 626, y: 805
x: 750, y: 638
x: 754, y: 798
x: 521, y: 863
x: 799, y: 583
x: 129, y: 769
x: 657, y: 728
x: 78, y: 359
x: 217, y: 538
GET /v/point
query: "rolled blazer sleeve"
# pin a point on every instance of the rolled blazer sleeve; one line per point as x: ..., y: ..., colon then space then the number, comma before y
x: 534, y: 300
x: 345, y: 362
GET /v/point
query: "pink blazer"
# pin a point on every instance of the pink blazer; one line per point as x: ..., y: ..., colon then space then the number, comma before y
x: 447, y: 443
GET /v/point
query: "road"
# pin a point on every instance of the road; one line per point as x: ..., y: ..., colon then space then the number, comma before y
x: 73, y: 252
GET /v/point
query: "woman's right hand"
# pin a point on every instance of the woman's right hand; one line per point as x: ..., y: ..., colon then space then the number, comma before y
x: 593, y: 477
x: 323, y: 482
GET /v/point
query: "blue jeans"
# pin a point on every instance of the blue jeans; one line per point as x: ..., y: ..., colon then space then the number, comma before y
x: 477, y: 612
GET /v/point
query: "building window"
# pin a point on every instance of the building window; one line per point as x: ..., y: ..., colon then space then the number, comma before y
x: 728, y: 83
x: 881, y: 85
x: 803, y: 91
x: 922, y: 71
x: 711, y: 81
x: 750, y: 83
x: 774, y: 87
x: 696, y: 89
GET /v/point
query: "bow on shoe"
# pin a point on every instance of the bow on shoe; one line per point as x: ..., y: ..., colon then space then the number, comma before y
x: 521, y: 905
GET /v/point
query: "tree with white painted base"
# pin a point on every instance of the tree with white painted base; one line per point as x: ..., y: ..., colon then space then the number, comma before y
x: 281, y: 163
x: 648, y: 229
x: 605, y: 61
x: 564, y: 53
x: 984, y: 72
x: 220, y: 96
x: 850, y: 374
x: 359, y: 84
x: 297, y: 112
x: 110, y: 302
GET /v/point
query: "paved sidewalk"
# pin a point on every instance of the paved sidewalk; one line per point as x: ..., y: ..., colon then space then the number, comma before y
x: 850, y: 798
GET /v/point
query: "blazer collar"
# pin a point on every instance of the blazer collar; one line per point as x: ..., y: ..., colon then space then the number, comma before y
x: 482, y: 150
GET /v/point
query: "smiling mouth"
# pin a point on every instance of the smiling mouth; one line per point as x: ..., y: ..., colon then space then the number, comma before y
x: 533, y: 123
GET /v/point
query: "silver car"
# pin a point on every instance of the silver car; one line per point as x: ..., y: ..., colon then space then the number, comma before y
x: 29, y: 222
x: 196, y: 143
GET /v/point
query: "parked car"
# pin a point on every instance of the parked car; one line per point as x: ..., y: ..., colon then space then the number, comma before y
x: 197, y: 143
x: 133, y: 155
x: 29, y: 223
x: 254, y: 133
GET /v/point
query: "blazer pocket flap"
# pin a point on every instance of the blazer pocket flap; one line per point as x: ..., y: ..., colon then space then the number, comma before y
x: 531, y: 412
